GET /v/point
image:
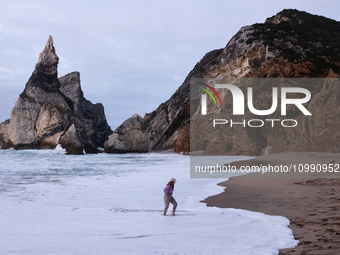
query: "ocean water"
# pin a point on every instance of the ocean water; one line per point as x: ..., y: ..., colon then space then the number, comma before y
x: 52, y: 203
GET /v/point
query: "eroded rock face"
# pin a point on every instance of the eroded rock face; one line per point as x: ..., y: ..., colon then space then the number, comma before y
x: 93, y: 116
x: 43, y: 115
x: 45, y: 73
x: 72, y: 141
x: 128, y: 137
x: 291, y: 44
x: 4, y: 134
x: 41, y: 110
x: 158, y: 130
x: 51, y: 142
x: 278, y: 49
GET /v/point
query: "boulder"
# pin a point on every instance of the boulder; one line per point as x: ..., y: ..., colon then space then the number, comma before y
x: 128, y: 137
x: 71, y: 141
x: 90, y: 148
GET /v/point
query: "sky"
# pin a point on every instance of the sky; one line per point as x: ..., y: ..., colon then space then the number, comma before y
x: 132, y: 55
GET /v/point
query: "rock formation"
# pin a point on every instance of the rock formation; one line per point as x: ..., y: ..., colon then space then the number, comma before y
x: 51, y: 111
x: 291, y: 44
x: 128, y: 137
x: 157, y: 131
x: 93, y: 116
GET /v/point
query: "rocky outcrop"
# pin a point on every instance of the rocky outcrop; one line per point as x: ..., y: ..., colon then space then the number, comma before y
x: 128, y: 137
x: 92, y: 115
x: 157, y: 131
x: 43, y: 114
x: 291, y: 44
x: 41, y: 110
x: 183, y: 139
x: 3, y: 131
x: 45, y: 73
x: 72, y: 141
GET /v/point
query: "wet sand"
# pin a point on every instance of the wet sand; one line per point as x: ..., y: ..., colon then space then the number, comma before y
x: 310, y: 201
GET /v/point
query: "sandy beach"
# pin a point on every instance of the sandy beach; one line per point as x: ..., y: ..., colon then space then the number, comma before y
x: 310, y: 201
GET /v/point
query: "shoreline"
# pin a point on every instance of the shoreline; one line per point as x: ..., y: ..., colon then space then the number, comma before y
x: 310, y: 201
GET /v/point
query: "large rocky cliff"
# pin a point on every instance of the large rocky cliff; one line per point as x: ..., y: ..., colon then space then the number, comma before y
x: 52, y: 111
x: 291, y: 44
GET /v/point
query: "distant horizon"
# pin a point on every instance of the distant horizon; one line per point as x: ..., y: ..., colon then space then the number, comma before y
x: 131, y: 59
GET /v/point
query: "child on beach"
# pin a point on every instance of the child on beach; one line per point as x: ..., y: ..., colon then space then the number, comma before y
x: 168, y: 198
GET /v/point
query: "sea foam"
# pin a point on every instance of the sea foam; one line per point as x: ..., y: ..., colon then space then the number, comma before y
x: 113, y: 204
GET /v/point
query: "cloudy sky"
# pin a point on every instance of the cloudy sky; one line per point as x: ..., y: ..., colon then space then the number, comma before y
x: 132, y: 55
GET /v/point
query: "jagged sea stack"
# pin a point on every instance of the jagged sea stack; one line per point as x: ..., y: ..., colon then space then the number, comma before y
x: 92, y: 115
x: 43, y: 116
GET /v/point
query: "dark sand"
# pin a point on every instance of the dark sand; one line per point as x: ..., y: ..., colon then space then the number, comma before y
x: 310, y: 202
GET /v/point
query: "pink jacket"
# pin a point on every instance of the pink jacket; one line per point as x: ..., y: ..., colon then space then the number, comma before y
x: 168, y: 190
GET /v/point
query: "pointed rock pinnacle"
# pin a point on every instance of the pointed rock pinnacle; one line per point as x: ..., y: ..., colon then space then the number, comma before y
x: 48, y: 59
x: 45, y: 74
